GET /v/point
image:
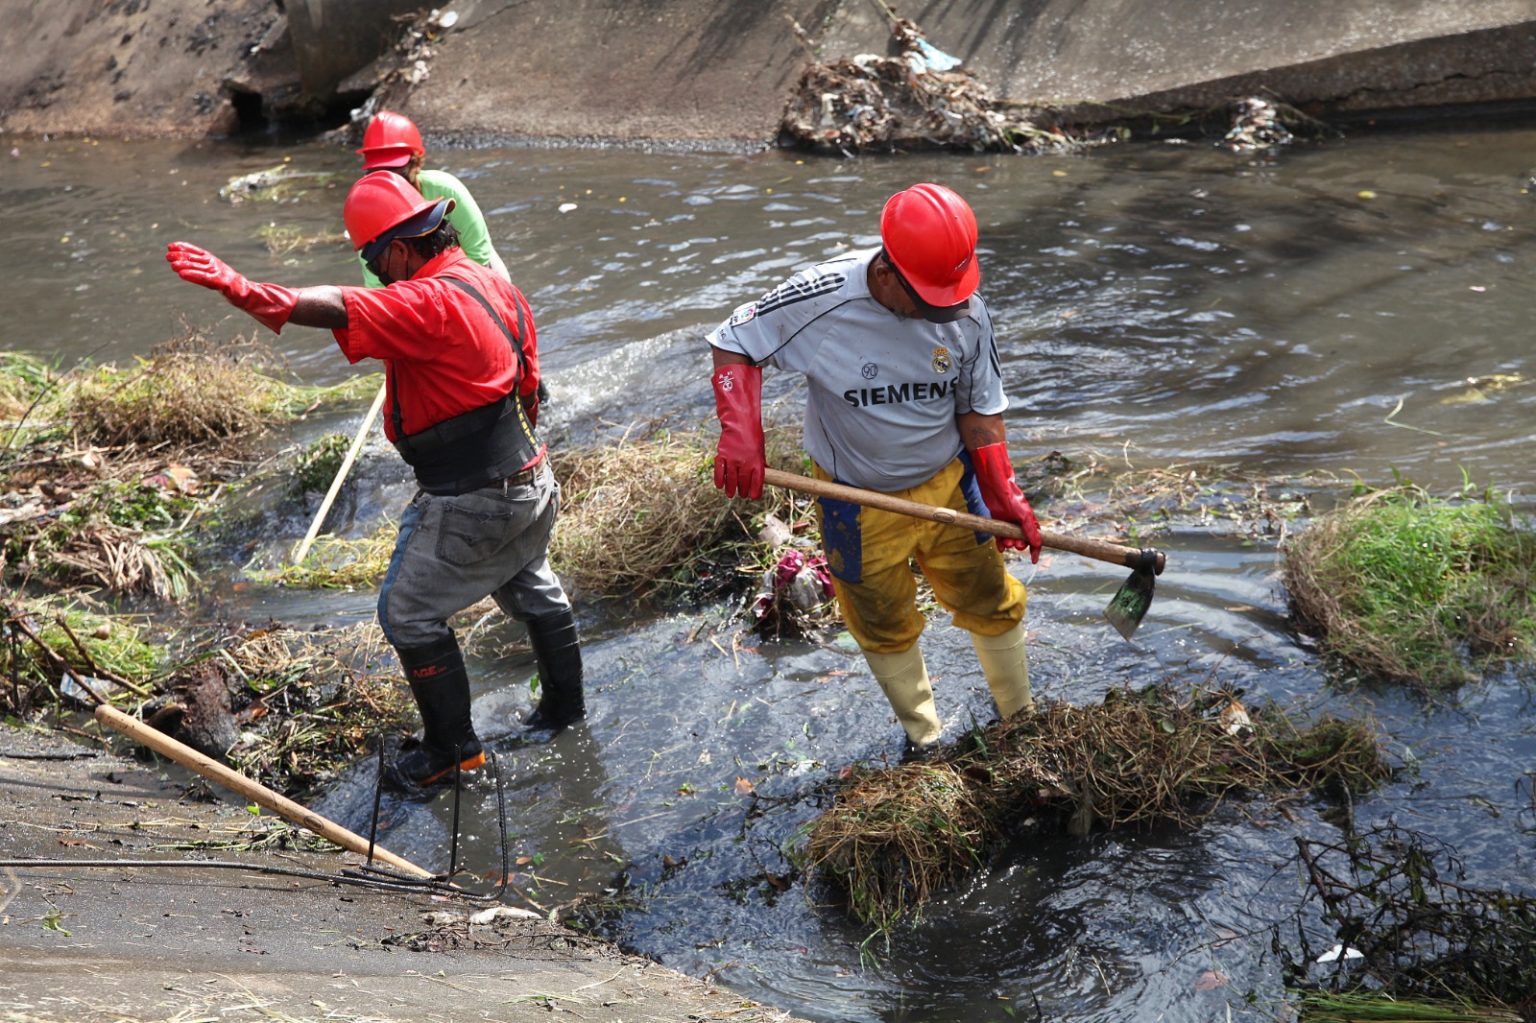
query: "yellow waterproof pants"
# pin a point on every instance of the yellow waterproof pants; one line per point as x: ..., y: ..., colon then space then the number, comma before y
x: 870, y: 550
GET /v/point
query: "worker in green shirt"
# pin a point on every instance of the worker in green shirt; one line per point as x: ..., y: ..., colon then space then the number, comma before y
x: 392, y: 143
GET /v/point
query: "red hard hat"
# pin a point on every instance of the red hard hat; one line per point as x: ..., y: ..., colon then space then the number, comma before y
x: 382, y: 205
x: 929, y: 233
x: 390, y: 141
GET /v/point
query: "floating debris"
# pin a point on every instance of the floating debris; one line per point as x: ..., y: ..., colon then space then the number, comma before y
x: 1482, y: 389
x: 795, y: 596
x: 282, y: 183
x: 1405, y: 921
x: 284, y: 239
x: 920, y: 98
x: 1256, y: 124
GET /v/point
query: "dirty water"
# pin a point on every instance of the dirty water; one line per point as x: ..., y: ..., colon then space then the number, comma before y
x: 1353, y: 309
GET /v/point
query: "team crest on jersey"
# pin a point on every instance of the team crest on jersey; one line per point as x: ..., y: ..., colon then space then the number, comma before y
x: 941, y: 361
x: 744, y: 314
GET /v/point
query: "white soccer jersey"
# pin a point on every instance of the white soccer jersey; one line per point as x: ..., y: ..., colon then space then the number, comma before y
x: 884, y: 390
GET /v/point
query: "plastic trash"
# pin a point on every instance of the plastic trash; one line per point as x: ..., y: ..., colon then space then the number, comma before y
x: 72, y: 690
x: 926, y: 57
x: 1340, y: 952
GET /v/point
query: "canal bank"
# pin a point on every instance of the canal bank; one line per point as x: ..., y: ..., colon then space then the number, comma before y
x: 705, y: 73
x: 169, y: 936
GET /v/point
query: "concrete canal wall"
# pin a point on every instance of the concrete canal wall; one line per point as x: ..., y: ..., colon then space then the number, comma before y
x: 721, y: 69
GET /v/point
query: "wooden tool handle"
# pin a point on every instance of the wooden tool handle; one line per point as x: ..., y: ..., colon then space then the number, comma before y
x: 341, y: 475
x: 254, y: 791
x: 1101, y: 550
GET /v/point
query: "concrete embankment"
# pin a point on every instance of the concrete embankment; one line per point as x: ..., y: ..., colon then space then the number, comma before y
x: 708, y: 71
x: 168, y: 935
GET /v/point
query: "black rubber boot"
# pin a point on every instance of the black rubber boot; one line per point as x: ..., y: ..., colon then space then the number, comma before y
x: 561, y: 701
x: 440, y: 685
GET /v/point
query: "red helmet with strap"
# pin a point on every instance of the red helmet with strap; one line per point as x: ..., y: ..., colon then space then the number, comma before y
x: 390, y: 141
x: 929, y: 234
x: 380, y: 203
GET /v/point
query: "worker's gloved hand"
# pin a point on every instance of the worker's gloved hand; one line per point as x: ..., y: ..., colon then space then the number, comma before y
x: 994, y: 471
x: 739, y: 459
x: 271, y: 304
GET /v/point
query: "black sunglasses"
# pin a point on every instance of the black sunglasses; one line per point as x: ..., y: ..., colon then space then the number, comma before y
x: 379, y: 248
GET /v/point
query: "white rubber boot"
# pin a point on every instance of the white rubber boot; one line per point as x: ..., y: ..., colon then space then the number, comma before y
x: 1005, y: 663
x: 904, y: 677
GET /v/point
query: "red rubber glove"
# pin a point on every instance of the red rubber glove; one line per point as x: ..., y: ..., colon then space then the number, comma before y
x: 994, y: 471
x: 739, y: 460
x: 270, y: 304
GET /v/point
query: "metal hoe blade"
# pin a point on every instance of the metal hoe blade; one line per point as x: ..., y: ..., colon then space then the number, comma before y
x: 1129, y: 604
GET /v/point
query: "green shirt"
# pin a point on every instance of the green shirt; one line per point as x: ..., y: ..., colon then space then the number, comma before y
x: 474, y: 236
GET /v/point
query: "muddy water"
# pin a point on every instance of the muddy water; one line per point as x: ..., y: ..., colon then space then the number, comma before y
x: 1354, y: 308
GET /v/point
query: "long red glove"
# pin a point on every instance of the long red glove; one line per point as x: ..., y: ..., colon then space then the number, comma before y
x: 271, y: 304
x: 994, y: 471
x: 739, y: 460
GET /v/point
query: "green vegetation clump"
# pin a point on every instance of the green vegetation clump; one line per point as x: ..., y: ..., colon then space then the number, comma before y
x: 23, y: 381
x: 190, y: 393
x: 317, y: 465
x: 1403, y: 586
x: 126, y: 535
x: 50, y: 638
x: 338, y: 563
x: 896, y: 835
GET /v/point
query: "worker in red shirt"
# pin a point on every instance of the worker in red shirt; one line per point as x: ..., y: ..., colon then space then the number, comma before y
x: 461, y: 367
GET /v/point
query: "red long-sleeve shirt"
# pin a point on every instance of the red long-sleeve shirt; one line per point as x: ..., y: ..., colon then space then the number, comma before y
x: 442, y: 354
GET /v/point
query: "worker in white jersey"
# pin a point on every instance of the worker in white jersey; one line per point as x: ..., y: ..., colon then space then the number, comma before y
x: 906, y: 398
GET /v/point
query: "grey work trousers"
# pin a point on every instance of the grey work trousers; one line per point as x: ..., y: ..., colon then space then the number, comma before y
x: 453, y: 551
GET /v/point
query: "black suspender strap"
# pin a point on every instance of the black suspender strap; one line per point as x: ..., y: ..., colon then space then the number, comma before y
x: 514, y: 341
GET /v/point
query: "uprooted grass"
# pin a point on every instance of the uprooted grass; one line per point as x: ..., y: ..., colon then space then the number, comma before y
x: 1379, y: 1007
x: 309, y: 702
x: 104, y: 469
x: 337, y: 563
x: 896, y: 835
x: 1406, y: 587
x: 288, y: 707
x: 639, y: 516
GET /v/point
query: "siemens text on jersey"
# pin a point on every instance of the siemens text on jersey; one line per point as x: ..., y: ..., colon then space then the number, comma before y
x: 895, y: 394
